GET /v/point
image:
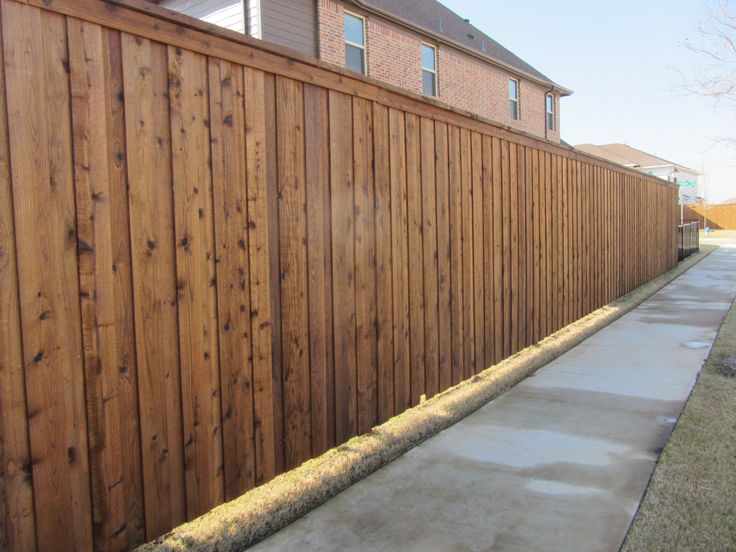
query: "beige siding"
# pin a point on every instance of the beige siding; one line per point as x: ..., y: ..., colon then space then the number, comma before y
x: 226, y: 13
x: 290, y: 23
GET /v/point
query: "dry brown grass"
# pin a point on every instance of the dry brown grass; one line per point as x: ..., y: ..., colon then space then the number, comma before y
x: 259, y: 513
x: 690, y: 503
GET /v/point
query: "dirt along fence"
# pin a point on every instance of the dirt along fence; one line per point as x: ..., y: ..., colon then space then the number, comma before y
x: 717, y: 217
x: 219, y: 259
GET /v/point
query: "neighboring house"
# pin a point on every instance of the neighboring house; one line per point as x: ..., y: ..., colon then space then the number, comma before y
x: 647, y: 163
x: 418, y: 45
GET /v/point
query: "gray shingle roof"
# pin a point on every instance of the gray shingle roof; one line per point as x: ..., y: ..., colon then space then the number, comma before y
x: 436, y: 18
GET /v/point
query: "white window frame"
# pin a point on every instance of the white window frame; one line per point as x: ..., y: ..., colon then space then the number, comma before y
x: 517, y: 100
x: 364, y: 46
x: 553, y: 126
x: 433, y: 71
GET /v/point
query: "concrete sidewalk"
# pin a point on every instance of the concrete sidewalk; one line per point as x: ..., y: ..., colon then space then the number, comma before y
x: 561, y: 461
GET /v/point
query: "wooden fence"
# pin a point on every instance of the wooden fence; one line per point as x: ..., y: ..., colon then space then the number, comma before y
x: 219, y: 259
x: 717, y: 217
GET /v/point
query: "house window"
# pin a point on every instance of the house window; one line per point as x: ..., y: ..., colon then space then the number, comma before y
x: 514, y: 99
x: 354, y: 42
x: 429, y: 70
x: 551, y: 120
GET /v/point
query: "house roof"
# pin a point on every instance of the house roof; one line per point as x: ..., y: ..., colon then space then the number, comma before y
x: 624, y: 154
x: 435, y: 19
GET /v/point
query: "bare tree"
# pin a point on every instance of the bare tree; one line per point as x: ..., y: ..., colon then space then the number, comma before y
x: 715, y: 78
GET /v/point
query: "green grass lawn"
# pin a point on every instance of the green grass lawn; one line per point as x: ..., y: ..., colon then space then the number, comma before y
x: 690, y: 503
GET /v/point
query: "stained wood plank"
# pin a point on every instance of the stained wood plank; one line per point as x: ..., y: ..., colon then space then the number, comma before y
x: 415, y: 257
x: 148, y: 153
x: 274, y: 269
x: 506, y: 252
x: 343, y: 265
x: 196, y: 281
x: 498, y: 252
x: 467, y: 241
x: 384, y: 265
x: 38, y: 103
x: 317, y: 143
x: 488, y: 308
x: 293, y: 271
x: 98, y: 136
x: 400, y: 260
x: 443, y: 256
x: 365, y: 265
x: 456, y: 254
x: 259, y: 255
x: 17, y: 518
x: 478, y: 280
x: 513, y: 310
x: 521, y: 246
x: 428, y: 196
x: 538, y: 243
x: 227, y: 127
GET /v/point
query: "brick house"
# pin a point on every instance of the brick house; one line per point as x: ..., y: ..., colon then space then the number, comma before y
x: 418, y: 45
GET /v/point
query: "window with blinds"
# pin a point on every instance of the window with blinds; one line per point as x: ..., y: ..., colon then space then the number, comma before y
x: 354, y: 28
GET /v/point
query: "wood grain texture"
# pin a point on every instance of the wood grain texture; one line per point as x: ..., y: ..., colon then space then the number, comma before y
x: 316, y: 131
x: 400, y: 260
x: 259, y: 256
x: 384, y: 263
x: 17, y: 518
x: 98, y: 136
x: 293, y: 271
x: 428, y: 232
x: 365, y: 265
x: 35, y: 51
x: 196, y: 282
x: 343, y: 265
x: 148, y: 153
x: 230, y: 195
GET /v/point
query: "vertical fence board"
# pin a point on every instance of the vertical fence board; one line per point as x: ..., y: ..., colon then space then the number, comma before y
x: 343, y: 265
x: 293, y: 271
x: 365, y: 264
x: 259, y: 255
x: 488, y: 308
x: 467, y: 242
x: 17, y: 523
x: 148, y: 152
x: 98, y: 136
x: 506, y: 248
x: 196, y: 281
x: 38, y: 104
x: 498, y: 271
x: 384, y: 265
x: 456, y: 255
x: 443, y: 257
x: 429, y: 252
x: 476, y: 198
x: 227, y: 126
x: 415, y: 257
x: 400, y: 261
x: 317, y: 144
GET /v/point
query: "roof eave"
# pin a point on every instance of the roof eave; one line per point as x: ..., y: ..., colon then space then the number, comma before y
x: 475, y: 53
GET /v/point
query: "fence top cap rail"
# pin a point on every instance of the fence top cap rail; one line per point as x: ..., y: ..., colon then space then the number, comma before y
x: 157, y: 23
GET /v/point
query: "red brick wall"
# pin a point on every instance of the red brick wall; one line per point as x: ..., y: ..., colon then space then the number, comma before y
x: 465, y: 82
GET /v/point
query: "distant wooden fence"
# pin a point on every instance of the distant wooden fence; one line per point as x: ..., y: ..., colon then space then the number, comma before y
x: 718, y: 217
x: 218, y: 260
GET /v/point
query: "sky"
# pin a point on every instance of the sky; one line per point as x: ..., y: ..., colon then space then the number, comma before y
x: 627, y: 62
